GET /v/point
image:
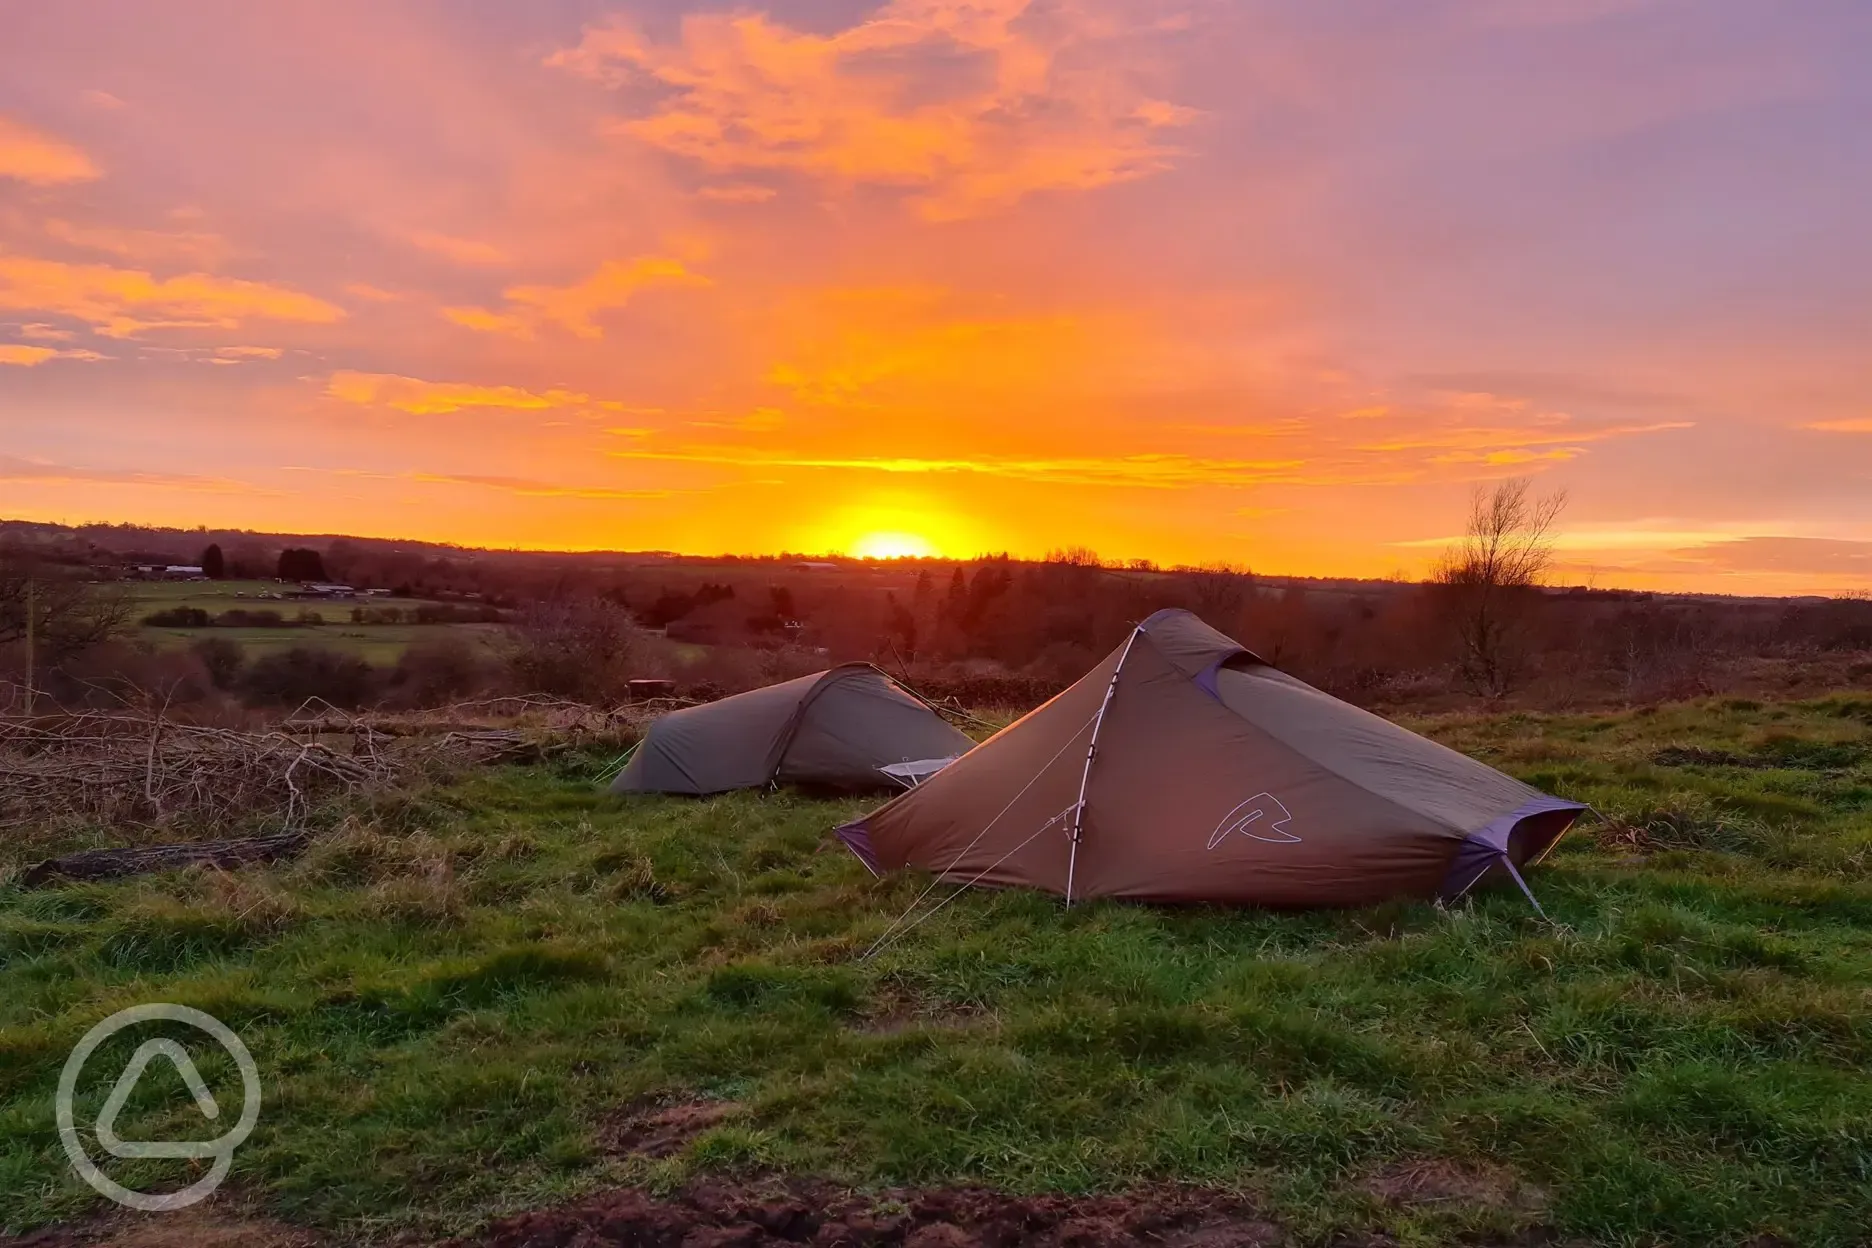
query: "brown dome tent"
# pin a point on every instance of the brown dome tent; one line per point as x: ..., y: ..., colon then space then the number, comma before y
x: 833, y: 729
x: 1184, y: 768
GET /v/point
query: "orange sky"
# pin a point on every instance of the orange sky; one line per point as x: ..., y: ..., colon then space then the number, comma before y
x: 1272, y: 283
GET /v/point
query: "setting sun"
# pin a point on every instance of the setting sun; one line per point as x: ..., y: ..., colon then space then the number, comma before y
x: 894, y: 546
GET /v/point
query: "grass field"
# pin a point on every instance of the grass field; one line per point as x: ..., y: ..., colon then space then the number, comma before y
x: 379, y: 644
x: 451, y: 999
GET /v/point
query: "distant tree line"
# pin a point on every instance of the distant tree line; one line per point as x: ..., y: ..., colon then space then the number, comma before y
x: 1485, y: 624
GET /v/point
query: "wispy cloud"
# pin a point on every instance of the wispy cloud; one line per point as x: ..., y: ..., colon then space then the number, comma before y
x: 432, y: 398
x: 30, y: 357
x: 575, y: 308
x: 39, y: 159
x: 370, y: 293
x: 122, y: 303
x: 37, y: 332
x: 1862, y: 424
x: 737, y: 193
x: 1465, y: 442
x: 1152, y: 471
x: 530, y: 488
x: 468, y: 251
x: 193, y: 248
x: 41, y: 472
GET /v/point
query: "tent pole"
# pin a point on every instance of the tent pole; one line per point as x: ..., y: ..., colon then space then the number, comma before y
x: 1525, y: 890
x: 1085, y: 777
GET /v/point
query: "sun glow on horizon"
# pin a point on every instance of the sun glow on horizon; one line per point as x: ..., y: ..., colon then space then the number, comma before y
x: 888, y: 545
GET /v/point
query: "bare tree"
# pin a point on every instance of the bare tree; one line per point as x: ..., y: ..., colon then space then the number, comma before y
x: 53, y: 613
x: 1221, y: 592
x: 1488, y: 583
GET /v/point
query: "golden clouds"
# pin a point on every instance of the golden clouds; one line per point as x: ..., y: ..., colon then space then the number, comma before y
x: 922, y: 345
x: 1862, y: 424
x: 575, y: 308
x: 433, y: 398
x: 1147, y: 471
x: 32, y: 357
x: 39, y: 159
x: 25, y: 357
x: 974, y: 104
x: 483, y: 321
x: 122, y: 303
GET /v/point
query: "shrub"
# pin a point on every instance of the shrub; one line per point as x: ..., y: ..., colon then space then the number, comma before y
x: 117, y: 674
x: 447, y: 613
x: 177, y: 617
x: 221, y: 658
x: 575, y: 648
x: 306, y: 672
x: 240, y: 618
x: 435, y: 672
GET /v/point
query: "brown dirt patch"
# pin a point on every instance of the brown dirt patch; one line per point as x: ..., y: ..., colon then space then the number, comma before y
x: 186, y: 1228
x: 714, y: 1215
x: 652, y: 1129
x: 1435, y: 1181
x: 892, y: 1014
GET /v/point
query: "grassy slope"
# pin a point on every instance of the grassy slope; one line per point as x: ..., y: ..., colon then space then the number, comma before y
x: 448, y: 999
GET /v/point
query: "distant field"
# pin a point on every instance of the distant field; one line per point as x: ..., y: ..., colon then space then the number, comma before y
x: 379, y: 644
x: 208, y: 595
x: 464, y: 1000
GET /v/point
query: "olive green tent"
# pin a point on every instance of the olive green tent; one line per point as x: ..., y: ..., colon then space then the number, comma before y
x: 834, y: 729
x: 1184, y: 768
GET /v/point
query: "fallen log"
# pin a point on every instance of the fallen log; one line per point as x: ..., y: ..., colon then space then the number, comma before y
x: 105, y: 864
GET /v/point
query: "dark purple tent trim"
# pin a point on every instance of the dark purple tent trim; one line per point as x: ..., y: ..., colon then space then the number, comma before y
x: 1487, y: 847
x: 858, y: 840
x: 1206, y: 680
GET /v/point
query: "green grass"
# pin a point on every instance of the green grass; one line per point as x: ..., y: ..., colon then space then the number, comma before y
x: 208, y: 595
x: 379, y: 644
x: 448, y: 998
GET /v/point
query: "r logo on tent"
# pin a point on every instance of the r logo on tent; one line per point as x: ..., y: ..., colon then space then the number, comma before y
x: 1244, y: 816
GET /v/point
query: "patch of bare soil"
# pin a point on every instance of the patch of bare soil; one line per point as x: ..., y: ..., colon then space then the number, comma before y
x: 1435, y: 1181
x: 771, y: 1212
x: 718, y: 1215
x: 893, y: 1014
x: 649, y: 1129
x: 187, y: 1228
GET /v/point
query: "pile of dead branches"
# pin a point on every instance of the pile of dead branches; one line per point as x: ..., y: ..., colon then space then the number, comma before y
x: 558, y: 720
x: 144, y: 769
